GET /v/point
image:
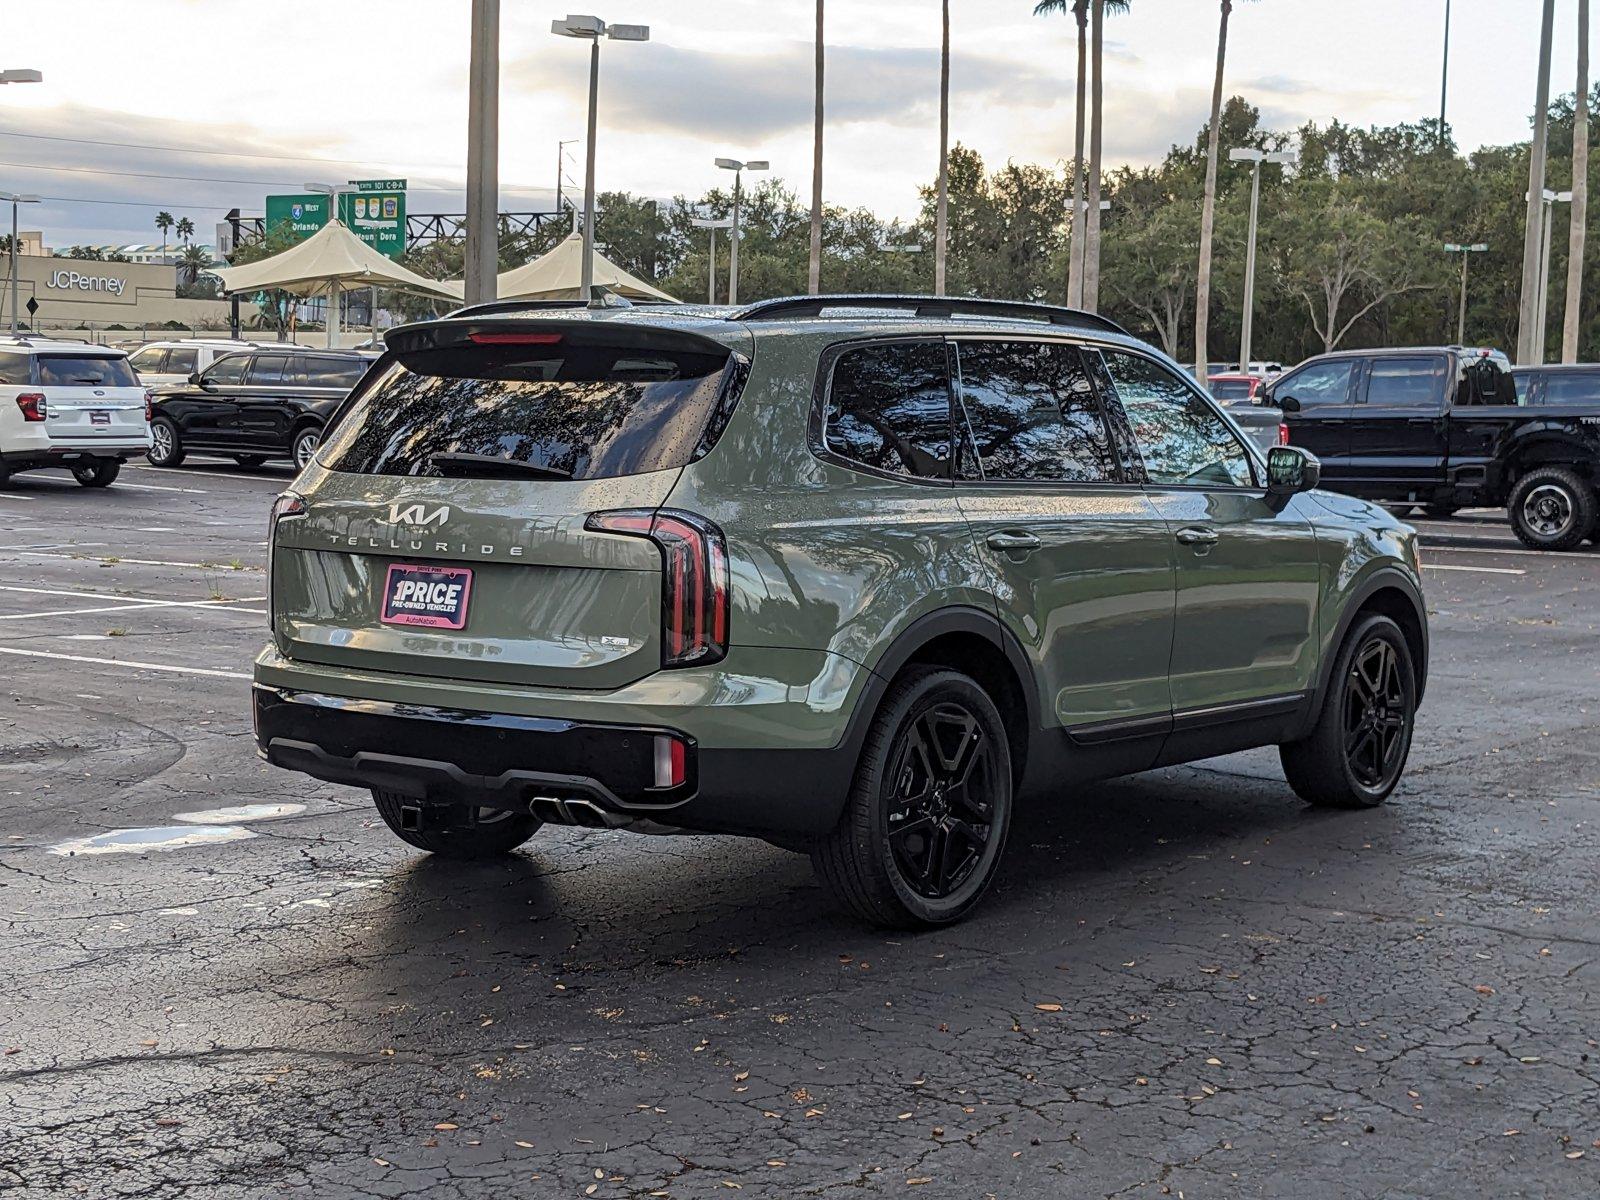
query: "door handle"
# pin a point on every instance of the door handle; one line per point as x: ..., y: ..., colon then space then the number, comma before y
x: 1009, y: 540
x: 1196, y: 536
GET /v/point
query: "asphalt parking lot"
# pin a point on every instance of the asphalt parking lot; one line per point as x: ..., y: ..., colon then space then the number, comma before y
x: 225, y: 981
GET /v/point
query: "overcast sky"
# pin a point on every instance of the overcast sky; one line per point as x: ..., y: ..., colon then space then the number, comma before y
x: 240, y: 92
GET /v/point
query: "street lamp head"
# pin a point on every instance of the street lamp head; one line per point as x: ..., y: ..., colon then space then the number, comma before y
x: 628, y: 33
x: 711, y: 222
x: 1284, y: 158
x: 13, y: 198
x: 576, y: 26
x: 21, y: 75
x: 1246, y: 154
x: 761, y: 164
x: 730, y: 164
x: 1478, y: 247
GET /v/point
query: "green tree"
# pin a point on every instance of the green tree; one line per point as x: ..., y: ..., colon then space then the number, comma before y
x: 185, y: 229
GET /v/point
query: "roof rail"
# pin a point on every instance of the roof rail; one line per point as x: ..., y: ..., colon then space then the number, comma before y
x: 926, y: 306
x: 490, y: 307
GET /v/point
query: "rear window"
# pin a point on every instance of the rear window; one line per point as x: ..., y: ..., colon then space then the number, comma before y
x: 1230, y: 389
x: 1487, y: 380
x: 591, y: 412
x: 83, y: 370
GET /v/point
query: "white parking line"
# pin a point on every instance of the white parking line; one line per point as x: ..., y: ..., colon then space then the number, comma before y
x: 221, y: 605
x: 278, y: 480
x: 128, y: 664
x: 137, y: 562
x: 1440, y: 547
x: 152, y: 601
x: 156, y: 487
x: 1478, y: 570
x: 18, y: 499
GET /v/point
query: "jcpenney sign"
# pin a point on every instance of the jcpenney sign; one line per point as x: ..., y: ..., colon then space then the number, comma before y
x: 68, y: 280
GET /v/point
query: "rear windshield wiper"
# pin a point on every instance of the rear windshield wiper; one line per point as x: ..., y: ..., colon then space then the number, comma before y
x: 465, y: 466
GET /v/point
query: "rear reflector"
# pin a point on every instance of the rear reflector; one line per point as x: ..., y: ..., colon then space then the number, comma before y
x: 1283, y: 435
x: 669, y: 761
x: 513, y: 338
x: 32, y: 405
x: 149, y: 404
x: 694, y: 580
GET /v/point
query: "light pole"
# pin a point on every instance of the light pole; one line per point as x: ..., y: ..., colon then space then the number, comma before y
x: 21, y: 75
x: 15, y: 200
x: 1466, y: 252
x: 593, y: 28
x: 332, y: 191
x: 1083, y: 226
x: 482, y: 251
x: 561, y: 173
x: 737, y: 167
x: 1255, y: 158
x: 713, y: 224
x: 1541, y: 300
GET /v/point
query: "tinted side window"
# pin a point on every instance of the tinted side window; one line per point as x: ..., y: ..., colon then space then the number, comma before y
x: 16, y: 369
x: 181, y: 360
x: 889, y: 408
x: 1572, y: 387
x: 327, y: 371
x: 148, y: 359
x: 1033, y: 412
x: 227, y: 370
x: 1320, y: 383
x: 268, y: 369
x: 1180, y: 437
x: 1407, y: 382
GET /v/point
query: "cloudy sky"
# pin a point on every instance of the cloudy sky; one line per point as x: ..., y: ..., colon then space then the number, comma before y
x: 196, y: 106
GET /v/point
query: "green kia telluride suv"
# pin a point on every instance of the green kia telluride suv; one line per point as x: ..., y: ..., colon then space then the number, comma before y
x: 850, y: 574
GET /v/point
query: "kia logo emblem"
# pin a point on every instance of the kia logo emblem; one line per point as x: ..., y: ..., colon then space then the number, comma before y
x: 416, y: 514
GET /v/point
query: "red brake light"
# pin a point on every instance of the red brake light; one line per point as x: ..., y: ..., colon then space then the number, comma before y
x: 149, y: 404
x: 694, y: 580
x: 32, y: 405
x: 1283, y: 435
x: 513, y: 338
x: 670, y: 756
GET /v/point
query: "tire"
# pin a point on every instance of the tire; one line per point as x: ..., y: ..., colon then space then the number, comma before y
x: 904, y: 878
x: 1440, y: 512
x: 1356, y: 752
x: 304, y: 446
x: 101, y: 473
x: 500, y: 832
x: 1551, y: 508
x: 166, y: 448
x: 249, y: 460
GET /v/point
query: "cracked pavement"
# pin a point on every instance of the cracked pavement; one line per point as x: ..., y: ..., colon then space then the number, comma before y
x: 1185, y: 983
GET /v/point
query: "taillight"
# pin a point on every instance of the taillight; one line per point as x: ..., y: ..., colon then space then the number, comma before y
x: 32, y: 405
x: 149, y: 404
x: 1283, y: 434
x: 694, y: 580
x: 286, y: 507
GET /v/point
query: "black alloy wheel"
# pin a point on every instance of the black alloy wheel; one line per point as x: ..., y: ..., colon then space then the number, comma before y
x: 1552, y: 508
x: 924, y: 826
x: 1376, y: 715
x: 1355, y: 753
x: 941, y: 813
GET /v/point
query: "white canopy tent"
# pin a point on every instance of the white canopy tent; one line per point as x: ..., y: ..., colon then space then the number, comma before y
x: 558, y: 275
x: 329, y: 262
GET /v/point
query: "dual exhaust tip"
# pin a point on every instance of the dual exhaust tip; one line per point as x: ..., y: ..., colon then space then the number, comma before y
x: 576, y: 811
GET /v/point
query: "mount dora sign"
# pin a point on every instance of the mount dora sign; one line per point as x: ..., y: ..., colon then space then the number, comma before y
x: 74, y: 280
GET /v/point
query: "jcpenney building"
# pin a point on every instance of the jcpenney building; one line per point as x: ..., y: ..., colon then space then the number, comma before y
x: 78, y: 294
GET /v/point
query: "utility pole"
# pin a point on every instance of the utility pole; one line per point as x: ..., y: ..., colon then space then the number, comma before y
x: 1444, y: 73
x: 814, y: 268
x: 941, y: 215
x: 1528, y: 308
x: 483, y: 154
x: 1573, y: 313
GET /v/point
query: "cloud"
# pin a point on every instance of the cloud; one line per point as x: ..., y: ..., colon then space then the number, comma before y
x: 673, y: 89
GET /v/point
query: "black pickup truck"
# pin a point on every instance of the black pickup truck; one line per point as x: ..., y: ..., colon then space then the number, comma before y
x: 1441, y: 427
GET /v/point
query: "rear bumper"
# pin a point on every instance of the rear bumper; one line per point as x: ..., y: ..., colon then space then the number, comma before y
x: 505, y: 747
x: 65, y: 454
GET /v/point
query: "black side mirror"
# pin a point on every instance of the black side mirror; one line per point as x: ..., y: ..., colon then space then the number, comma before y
x: 194, y: 378
x: 1289, y: 404
x: 1290, y: 471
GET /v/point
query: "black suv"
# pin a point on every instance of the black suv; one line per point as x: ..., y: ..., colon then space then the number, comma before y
x: 267, y: 403
x: 1441, y: 427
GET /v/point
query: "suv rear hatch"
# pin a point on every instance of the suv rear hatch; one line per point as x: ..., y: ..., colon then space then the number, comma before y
x: 451, y: 535
x: 90, y: 397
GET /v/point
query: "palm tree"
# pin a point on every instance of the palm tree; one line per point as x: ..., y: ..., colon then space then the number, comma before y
x: 191, y: 262
x: 1580, y: 194
x: 1091, y: 239
x: 164, y: 222
x: 814, y: 275
x: 185, y: 229
x: 1080, y: 13
x: 941, y: 217
x: 1208, y: 211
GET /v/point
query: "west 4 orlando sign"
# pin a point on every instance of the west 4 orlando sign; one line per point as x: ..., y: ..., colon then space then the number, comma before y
x: 375, y: 212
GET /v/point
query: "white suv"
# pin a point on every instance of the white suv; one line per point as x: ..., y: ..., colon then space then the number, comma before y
x: 69, y: 405
x: 175, y: 361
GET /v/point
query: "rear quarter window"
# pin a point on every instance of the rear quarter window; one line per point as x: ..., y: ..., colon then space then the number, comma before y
x: 591, y: 412
x: 16, y: 369
x: 889, y: 408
